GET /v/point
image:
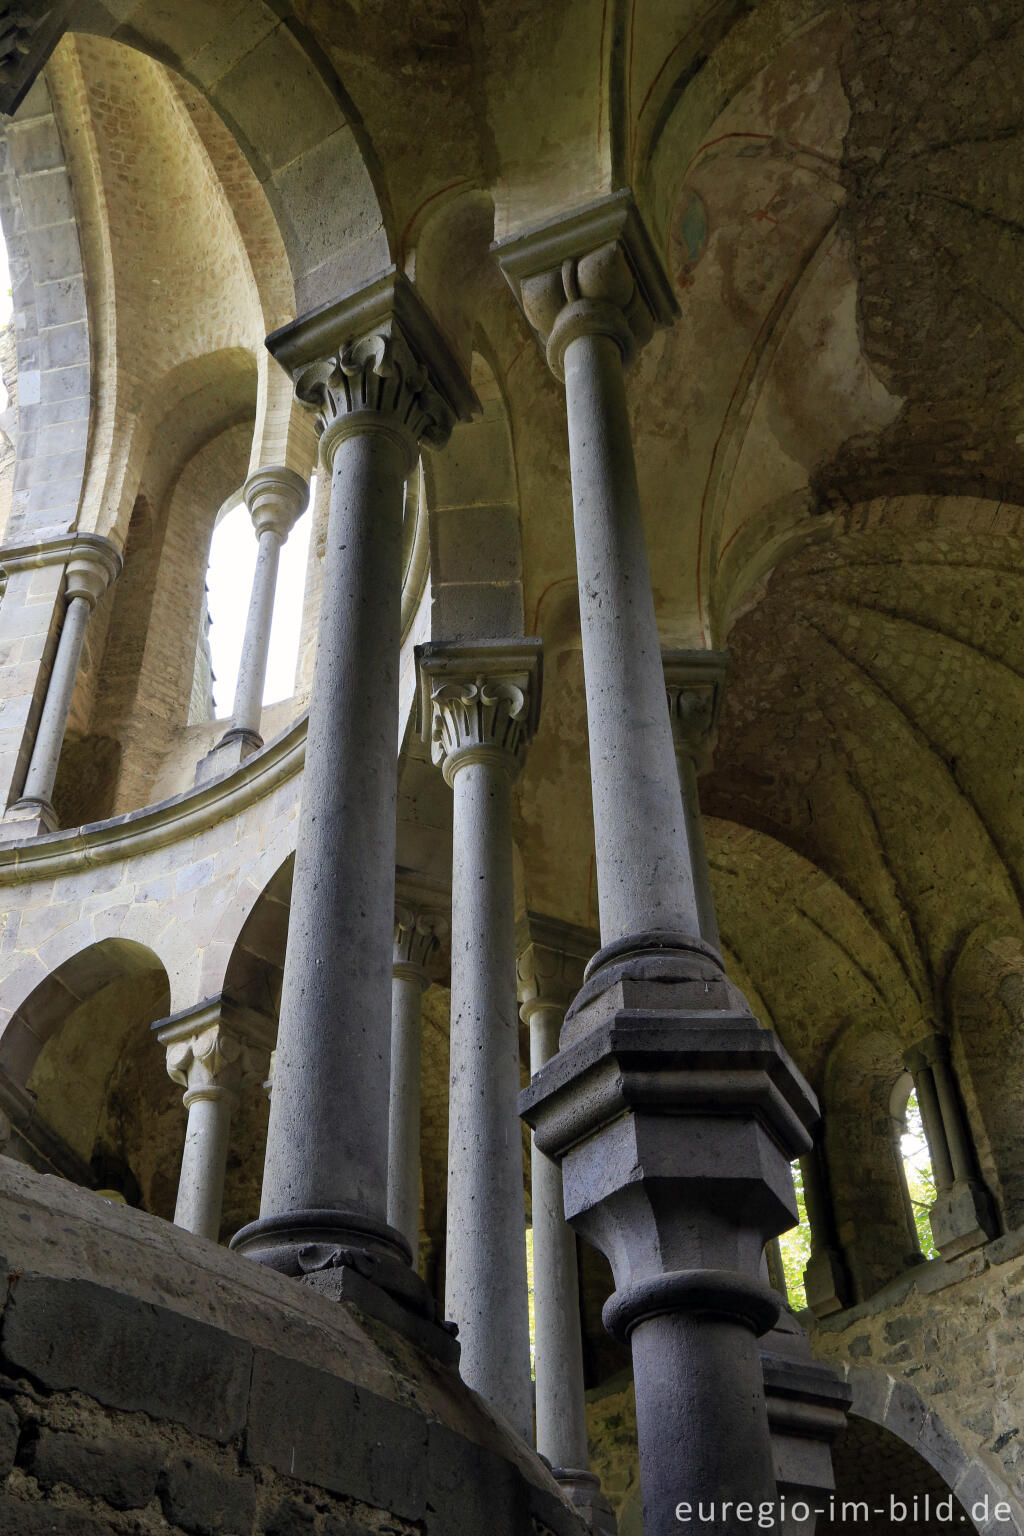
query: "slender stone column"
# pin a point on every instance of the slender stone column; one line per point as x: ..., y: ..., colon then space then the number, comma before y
x: 695, y: 684
x: 479, y: 706
x: 418, y: 934
x: 962, y: 1216
x: 673, y: 1113
x: 213, y: 1054
x: 826, y: 1284
x: 383, y: 381
x: 276, y: 498
x: 92, y: 566
x: 550, y: 967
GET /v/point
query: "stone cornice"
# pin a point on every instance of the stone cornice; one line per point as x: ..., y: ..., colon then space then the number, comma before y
x: 28, y: 557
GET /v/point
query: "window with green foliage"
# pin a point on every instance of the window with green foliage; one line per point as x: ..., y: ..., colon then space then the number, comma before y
x: 917, y: 1165
x: 795, y: 1246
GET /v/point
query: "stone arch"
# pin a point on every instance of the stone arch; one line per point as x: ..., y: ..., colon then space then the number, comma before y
x: 897, y: 1407
x: 278, y: 94
x: 255, y: 968
x: 872, y: 1211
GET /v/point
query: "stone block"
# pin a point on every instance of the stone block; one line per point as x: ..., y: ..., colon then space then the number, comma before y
x: 19, y: 1518
x: 35, y: 146
x: 121, y: 1472
x: 127, y: 1354
x: 941, y: 1450
x: 471, y: 1489
x: 276, y: 98
x: 9, y: 1432
x: 55, y: 252
x: 322, y: 1430
x: 205, y: 1501
x: 289, y: 1517
x: 46, y: 197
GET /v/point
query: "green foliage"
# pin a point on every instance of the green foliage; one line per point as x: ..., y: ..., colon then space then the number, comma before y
x: 920, y: 1178
x: 796, y: 1247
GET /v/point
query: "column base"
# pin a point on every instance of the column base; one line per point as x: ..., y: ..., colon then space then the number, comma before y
x: 28, y: 818
x: 346, y: 1256
x: 962, y: 1218
x: 584, y: 1491
x: 232, y: 750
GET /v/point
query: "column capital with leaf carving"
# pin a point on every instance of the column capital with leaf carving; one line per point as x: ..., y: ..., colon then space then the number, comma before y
x: 479, y: 702
x: 419, y: 932
x: 594, y: 271
x: 552, y: 957
x: 695, y: 685
x: 375, y: 360
x: 214, y: 1051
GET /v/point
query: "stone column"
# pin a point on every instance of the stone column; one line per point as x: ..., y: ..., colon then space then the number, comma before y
x: 93, y: 565
x: 418, y: 934
x: 479, y: 707
x: 383, y: 382
x: 826, y: 1284
x: 276, y: 498
x: 552, y: 957
x: 673, y: 1113
x: 807, y: 1408
x: 695, y: 684
x: 962, y: 1216
x: 213, y: 1053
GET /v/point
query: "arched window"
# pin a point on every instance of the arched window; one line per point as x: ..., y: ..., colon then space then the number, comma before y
x: 915, y: 1163
x: 794, y: 1251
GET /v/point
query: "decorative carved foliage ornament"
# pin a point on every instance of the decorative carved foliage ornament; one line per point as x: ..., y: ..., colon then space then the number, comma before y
x: 478, y: 721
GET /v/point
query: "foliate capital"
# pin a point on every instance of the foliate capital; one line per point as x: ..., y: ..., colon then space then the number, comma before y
x: 375, y: 361
x: 418, y: 935
x: 695, y: 685
x: 552, y: 959
x: 212, y: 1052
x: 276, y: 498
x: 479, y: 702
x: 592, y: 272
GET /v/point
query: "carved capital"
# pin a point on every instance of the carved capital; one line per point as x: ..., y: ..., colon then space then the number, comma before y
x: 93, y: 563
x: 479, y: 703
x: 552, y: 959
x: 215, y: 1050
x: 695, y: 685
x: 276, y: 498
x: 418, y: 935
x: 375, y: 361
x: 593, y: 272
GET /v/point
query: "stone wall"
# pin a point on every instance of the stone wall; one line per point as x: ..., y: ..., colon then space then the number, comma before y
x: 153, y: 1382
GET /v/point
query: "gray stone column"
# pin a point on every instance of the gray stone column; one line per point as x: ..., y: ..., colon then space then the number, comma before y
x: 673, y: 1113
x: 92, y: 566
x: 276, y: 498
x: 418, y: 934
x: 695, y: 684
x: 383, y: 382
x: 552, y: 956
x: 962, y: 1216
x: 826, y: 1283
x: 213, y: 1057
x: 479, y: 706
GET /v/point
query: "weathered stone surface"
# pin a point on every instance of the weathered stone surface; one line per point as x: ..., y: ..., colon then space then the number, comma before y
x: 204, y: 1500
x: 119, y: 1472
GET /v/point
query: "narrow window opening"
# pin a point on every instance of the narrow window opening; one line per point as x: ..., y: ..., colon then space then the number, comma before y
x: 917, y: 1167
x: 795, y: 1247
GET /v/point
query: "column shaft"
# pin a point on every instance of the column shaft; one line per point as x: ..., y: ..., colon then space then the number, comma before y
x: 934, y: 1129
x: 558, y: 1343
x: 961, y: 1153
x: 252, y: 670
x: 42, y: 770
x: 327, y: 1143
x: 643, y: 863
x: 404, y: 1122
x: 706, y: 919
x: 486, y: 1248
x: 203, y: 1164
